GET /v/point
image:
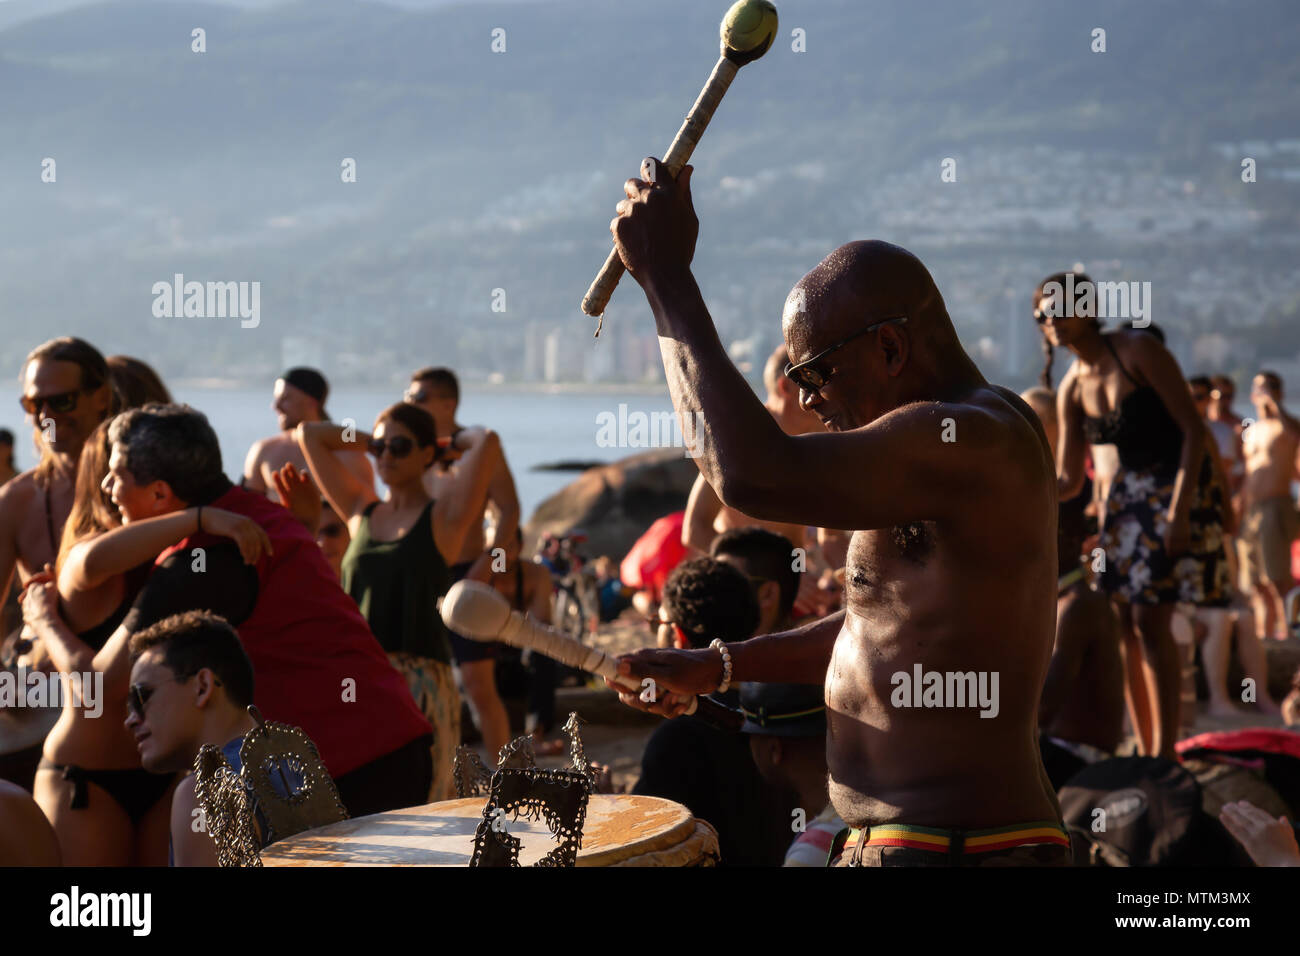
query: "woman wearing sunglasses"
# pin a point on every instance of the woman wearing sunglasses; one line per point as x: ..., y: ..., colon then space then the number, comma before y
x: 105, y: 809
x: 1162, y: 528
x: 396, y: 566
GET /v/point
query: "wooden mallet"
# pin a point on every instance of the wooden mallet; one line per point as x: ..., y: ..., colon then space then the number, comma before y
x: 747, y: 31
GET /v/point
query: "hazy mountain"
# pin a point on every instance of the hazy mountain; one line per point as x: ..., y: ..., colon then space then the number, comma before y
x: 479, y: 170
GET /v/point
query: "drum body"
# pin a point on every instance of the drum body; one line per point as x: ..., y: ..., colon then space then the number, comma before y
x: 620, y: 830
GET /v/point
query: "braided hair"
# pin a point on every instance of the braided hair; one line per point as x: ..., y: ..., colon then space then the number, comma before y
x: 1049, y: 352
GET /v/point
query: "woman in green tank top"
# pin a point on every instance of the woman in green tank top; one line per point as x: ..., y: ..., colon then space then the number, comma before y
x: 396, y: 567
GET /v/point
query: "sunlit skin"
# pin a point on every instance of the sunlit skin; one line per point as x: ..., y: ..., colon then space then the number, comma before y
x: 501, y: 490
x: 292, y: 406
x: 1271, y: 445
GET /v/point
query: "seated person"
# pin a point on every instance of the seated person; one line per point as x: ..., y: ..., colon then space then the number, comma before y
x: 318, y: 666
x: 710, y: 771
x: 786, y: 726
x: 191, y: 684
x: 765, y: 558
x: 26, y: 837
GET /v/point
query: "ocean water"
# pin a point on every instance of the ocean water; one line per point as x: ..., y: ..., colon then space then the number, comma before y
x: 536, y: 426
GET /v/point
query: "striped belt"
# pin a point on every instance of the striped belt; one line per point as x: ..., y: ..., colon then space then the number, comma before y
x: 951, y: 842
x: 1069, y: 580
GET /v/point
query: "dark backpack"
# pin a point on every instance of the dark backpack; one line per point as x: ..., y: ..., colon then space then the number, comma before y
x: 1150, y: 815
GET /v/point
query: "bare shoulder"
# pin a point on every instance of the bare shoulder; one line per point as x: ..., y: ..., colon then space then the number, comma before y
x: 536, y: 573
x: 20, y: 490
x: 992, y: 417
x: 1136, y: 347
x: 17, y: 496
x: 184, y: 803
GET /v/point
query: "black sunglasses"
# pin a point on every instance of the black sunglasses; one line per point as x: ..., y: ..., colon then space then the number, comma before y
x: 60, y: 404
x: 811, y: 377
x: 416, y: 396
x: 137, y: 695
x: 399, y: 445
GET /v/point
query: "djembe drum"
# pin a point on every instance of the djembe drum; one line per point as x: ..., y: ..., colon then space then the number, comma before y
x: 620, y: 830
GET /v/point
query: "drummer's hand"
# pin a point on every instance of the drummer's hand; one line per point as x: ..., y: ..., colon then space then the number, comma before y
x: 604, y: 777
x: 677, y: 677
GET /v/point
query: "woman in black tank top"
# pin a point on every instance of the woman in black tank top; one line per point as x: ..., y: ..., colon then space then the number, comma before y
x: 1162, y: 530
x: 397, y: 564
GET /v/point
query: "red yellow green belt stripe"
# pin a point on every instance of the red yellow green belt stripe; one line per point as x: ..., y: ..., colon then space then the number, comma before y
x: 974, y: 841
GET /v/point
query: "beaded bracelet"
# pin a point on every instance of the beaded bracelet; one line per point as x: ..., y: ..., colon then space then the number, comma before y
x: 726, y: 664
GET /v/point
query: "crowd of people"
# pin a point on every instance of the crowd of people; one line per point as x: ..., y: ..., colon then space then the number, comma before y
x: 884, y: 512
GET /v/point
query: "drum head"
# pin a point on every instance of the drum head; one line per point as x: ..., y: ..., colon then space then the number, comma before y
x: 619, y: 829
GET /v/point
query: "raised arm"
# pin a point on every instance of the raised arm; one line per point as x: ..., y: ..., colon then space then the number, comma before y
x: 501, y: 492
x: 464, y: 497
x: 702, y: 509
x: 1073, y: 445
x: 347, y: 494
x: 93, y: 561
x: 253, y: 469
x: 751, y: 463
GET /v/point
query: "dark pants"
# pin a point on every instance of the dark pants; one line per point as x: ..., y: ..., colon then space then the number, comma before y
x: 541, y: 691
x: 392, y: 782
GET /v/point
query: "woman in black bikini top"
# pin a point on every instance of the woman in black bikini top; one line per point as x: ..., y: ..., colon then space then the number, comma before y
x: 1161, y: 534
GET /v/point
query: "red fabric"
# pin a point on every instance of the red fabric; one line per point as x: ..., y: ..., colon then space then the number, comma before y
x: 1295, y: 559
x: 305, y: 637
x: 1263, y: 739
x: 654, y: 555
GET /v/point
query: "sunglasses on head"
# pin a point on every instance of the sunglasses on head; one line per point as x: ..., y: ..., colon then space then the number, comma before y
x: 399, y: 445
x: 811, y: 377
x: 59, y: 404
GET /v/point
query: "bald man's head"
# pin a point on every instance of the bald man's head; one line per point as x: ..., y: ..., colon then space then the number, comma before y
x: 856, y: 287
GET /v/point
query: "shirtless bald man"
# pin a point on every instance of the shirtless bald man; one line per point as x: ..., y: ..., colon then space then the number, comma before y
x: 706, y: 516
x: 299, y: 396
x: 1269, y: 522
x: 933, y: 671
